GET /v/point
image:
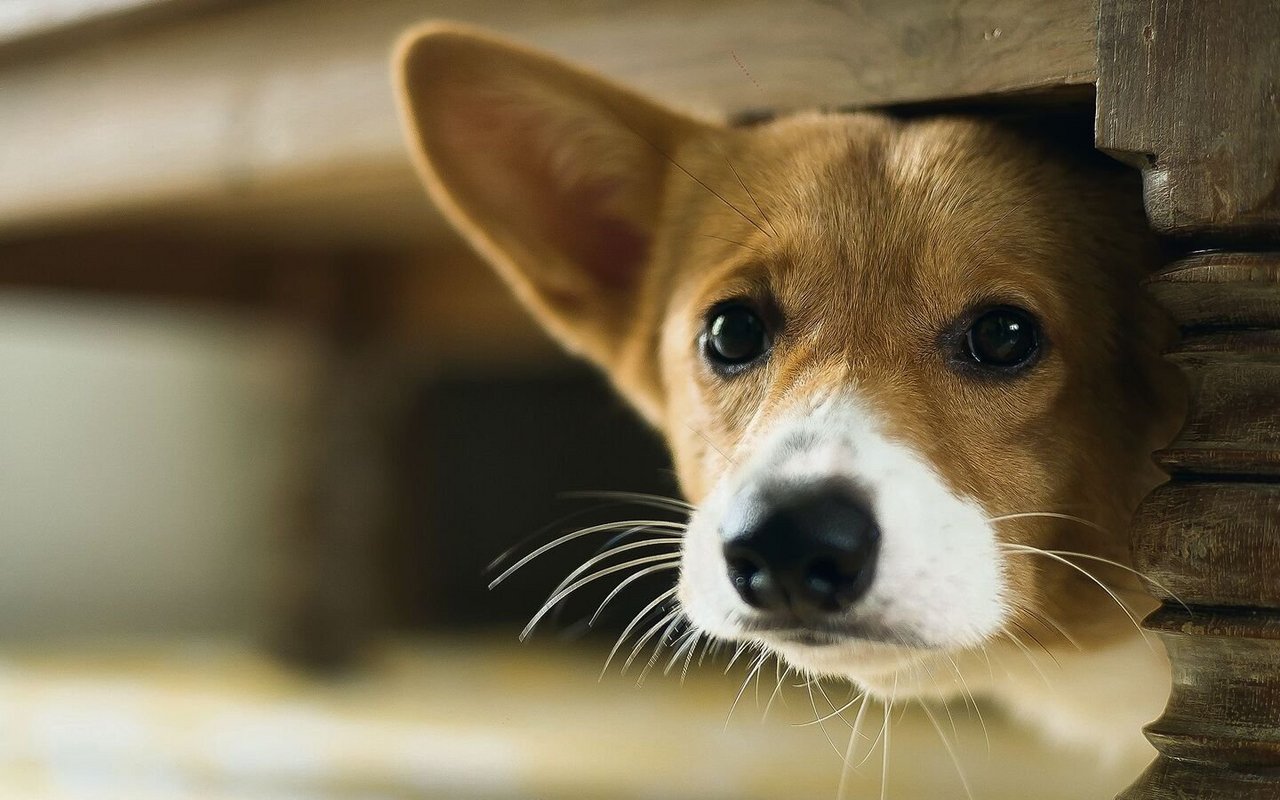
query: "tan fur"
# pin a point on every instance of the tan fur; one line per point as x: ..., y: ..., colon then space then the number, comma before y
x: 869, y: 236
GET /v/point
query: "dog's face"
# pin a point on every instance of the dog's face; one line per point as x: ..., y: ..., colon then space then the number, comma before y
x: 888, y: 357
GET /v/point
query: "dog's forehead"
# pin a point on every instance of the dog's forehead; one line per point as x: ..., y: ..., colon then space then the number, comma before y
x: 836, y: 212
x: 893, y: 192
x: 864, y: 209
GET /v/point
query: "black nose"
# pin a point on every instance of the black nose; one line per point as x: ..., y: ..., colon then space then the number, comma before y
x: 812, y: 553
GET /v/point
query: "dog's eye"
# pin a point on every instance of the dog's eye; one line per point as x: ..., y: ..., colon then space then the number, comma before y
x: 735, y: 337
x: 1003, y: 337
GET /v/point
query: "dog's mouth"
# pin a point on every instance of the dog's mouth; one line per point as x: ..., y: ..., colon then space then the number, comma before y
x: 864, y: 652
x: 796, y: 634
x: 806, y: 638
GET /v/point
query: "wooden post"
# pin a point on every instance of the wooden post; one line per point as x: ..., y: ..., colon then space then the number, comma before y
x: 1189, y: 91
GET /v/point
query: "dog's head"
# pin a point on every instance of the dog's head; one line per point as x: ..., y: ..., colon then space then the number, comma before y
x: 888, y: 356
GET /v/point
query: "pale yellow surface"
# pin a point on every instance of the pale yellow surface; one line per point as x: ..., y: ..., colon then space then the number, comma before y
x: 465, y: 719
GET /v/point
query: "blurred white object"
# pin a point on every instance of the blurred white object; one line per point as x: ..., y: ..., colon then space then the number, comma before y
x: 145, y: 465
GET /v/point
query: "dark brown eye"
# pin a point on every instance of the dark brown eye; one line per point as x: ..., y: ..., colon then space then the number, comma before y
x: 1003, y: 337
x: 735, y: 337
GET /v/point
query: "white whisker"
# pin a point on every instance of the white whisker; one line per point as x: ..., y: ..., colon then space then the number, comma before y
x: 688, y: 659
x: 836, y: 712
x: 970, y: 700
x: 888, y: 710
x: 1026, y: 651
x: 667, y: 595
x: 687, y: 640
x: 672, y: 562
x: 1049, y: 622
x: 827, y: 698
x: 955, y: 759
x: 609, y: 526
x: 1141, y: 575
x: 851, y: 751
x: 821, y: 727
x: 1022, y: 548
x: 1051, y: 514
x: 630, y: 579
x: 642, y: 498
x: 606, y: 555
x: 674, y: 614
x: 946, y: 706
x: 879, y: 736
x: 742, y: 648
x: 712, y: 649
x: 861, y: 716
x: 781, y: 671
x: 657, y: 648
x: 1071, y: 518
x: 755, y: 670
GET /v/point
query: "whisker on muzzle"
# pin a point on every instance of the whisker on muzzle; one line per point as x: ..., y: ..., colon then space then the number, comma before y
x: 640, y: 498
x: 638, y: 524
x: 1048, y: 622
x: 630, y: 579
x: 1073, y: 554
x: 752, y: 672
x: 664, y: 640
x: 655, y: 541
x: 666, y: 534
x: 1064, y: 557
x: 1059, y: 558
x: 635, y: 621
x: 669, y: 561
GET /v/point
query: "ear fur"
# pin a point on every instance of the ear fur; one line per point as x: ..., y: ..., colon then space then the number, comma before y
x: 555, y: 175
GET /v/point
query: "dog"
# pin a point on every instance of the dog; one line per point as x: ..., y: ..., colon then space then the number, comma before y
x: 904, y: 366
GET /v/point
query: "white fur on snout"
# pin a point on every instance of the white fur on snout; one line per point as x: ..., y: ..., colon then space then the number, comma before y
x: 938, y: 581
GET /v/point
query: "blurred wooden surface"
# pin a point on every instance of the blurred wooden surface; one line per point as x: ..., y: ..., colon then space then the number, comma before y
x: 30, y: 27
x: 276, y: 119
x: 475, y: 719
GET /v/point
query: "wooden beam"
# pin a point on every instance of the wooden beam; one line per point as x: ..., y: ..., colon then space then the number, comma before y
x: 277, y: 117
x: 438, y: 304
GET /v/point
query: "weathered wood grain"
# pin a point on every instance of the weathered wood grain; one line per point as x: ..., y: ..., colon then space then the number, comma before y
x: 1190, y: 91
x: 1229, y: 307
x: 1187, y: 91
x: 1210, y: 538
x: 1227, y: 720
x: 1224, y: 551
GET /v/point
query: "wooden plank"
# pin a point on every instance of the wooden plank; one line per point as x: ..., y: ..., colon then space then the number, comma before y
x: 439, y: 304
x: 244, y: 117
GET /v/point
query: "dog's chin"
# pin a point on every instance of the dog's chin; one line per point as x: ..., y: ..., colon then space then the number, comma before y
x: 869, y: 663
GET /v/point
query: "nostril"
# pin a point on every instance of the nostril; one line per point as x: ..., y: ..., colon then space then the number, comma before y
x: 742, y: 572
x: 831, y: 584
x: 823, y: 579
x: 753, y: 581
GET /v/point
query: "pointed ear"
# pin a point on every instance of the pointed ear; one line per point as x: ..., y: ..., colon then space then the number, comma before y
x: 553, y: 174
